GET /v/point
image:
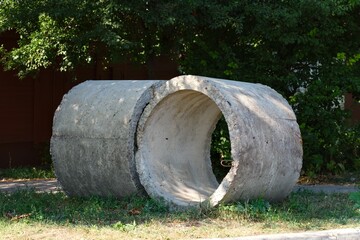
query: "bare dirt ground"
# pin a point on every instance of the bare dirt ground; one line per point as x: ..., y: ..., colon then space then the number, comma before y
x: 52, y: 185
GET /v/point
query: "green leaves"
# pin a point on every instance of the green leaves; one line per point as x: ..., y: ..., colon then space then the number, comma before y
x: 292, y: 46
x: 61, y: 34
x: 220, y: 152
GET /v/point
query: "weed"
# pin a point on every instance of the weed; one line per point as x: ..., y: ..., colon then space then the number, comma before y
x: 124, y: 227
x: 255, y: 209
x: 155, y: 206
x: 27, y: 173
x: 355, y: 197
x: 144, y: 216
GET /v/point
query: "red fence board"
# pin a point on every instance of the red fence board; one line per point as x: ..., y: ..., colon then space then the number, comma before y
x: 27, y: 106
x: 354, y: 107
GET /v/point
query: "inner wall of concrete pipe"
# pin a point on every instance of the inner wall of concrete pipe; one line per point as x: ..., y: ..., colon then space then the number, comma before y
x: 176, y: 147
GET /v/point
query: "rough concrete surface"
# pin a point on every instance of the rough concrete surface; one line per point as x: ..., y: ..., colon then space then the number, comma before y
x: 174, y: 138
x: 93, y: 137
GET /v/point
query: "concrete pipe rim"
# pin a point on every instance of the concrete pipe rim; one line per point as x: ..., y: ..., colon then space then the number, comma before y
x: 174, y: 138
x: 189, y: 180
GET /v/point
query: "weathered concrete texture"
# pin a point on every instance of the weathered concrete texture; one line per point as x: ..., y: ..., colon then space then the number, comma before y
x: 93, y: 137
x: 174, y: 138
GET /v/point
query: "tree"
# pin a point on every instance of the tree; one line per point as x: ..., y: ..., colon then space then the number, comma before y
x: 307, y: 50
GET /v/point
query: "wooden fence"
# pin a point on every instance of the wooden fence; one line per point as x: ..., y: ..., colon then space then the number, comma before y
x: 27, y: 106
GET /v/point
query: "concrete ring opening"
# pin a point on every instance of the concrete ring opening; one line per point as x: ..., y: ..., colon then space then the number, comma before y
x: 174, y: 139
x: 116, y: 138
x: 176, y: 162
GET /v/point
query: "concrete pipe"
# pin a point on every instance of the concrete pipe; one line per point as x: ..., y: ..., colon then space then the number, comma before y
x: 174, y: 139
x: 93, y: 137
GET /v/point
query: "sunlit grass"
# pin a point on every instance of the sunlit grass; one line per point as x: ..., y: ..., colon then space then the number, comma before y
x: 41, y: 214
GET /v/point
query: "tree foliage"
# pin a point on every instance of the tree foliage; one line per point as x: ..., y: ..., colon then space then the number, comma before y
x: 308, y: 50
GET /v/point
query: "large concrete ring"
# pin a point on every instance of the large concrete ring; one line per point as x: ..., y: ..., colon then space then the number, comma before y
x: 93, y: 137
x: 174, y: 139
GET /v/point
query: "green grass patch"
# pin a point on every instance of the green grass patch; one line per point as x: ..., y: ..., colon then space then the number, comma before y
x: 355, y: 197
x: 138, y: 217
x: 27, y: 173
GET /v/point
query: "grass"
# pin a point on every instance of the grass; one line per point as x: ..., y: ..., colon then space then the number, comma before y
x: 48, y: 172
x: 49, y: 215
x: 26, y: 173
x: 54, y: 215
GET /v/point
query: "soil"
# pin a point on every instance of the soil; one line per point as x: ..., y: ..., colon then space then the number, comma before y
x: 348, y: 178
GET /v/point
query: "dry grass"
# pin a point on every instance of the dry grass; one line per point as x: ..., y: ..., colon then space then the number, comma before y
x: 30, y: 215
x: 156, y: 230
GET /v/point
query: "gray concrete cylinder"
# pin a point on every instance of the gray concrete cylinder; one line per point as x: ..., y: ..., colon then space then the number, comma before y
x: 93, y: 137
x: 174, y: 139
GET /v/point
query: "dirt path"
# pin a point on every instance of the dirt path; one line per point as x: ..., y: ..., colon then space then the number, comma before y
x: 41, y: 185
x: 52, y: 185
